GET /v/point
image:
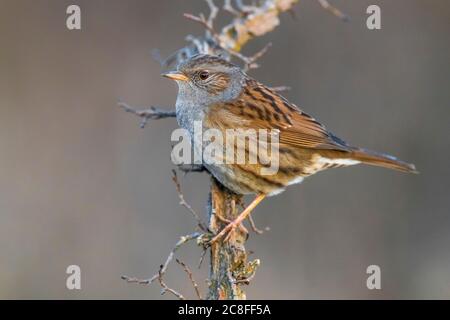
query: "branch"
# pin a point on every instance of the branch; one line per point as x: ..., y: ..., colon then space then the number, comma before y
x: 184, y: 239
x: 229, y: 258
x: 165, y: 288
x: 163, y: 269
x: 249, y: 62
x: 213, y: 11
x: 253, y: 21
x: 191, y: 278
x: 153, y: 113
x: 334, y: 11
x: 249, y: 22
x: 228, y: 7
x: 185, y: 204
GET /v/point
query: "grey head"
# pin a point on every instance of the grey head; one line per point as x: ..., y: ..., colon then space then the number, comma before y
x: 204, y: 80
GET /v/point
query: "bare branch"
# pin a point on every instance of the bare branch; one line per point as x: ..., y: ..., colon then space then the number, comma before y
x: 202, y: 257
x: 191, y: 278
x: 201, y: 19
x: 228, y: 7
x: 151, y: 113
x: 183, y: 202
x: 244, y: 8
x: 213, y: 11
x: 162, y: 271
x: 165, y: 288
x: 250, y: 62
x: 253, y: 21
x: 335, y: 11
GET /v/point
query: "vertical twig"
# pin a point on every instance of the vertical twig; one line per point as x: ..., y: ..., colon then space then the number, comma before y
x: 185, y: 204
x: 191, y: 278
x: 165, y: 288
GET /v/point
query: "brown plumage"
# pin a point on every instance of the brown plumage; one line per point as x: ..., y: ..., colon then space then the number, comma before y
x: 221, y: 96
x: 302, y: 140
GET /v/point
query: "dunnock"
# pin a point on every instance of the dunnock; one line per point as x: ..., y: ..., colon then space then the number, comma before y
x: 221, y: 96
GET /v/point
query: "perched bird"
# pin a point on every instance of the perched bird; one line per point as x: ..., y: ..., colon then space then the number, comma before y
x: 220, y: 96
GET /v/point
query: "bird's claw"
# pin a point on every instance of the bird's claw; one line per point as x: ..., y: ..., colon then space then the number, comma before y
x: 227, y: 232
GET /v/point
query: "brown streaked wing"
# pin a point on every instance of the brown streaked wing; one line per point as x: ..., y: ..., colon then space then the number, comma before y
x: 259, y: 107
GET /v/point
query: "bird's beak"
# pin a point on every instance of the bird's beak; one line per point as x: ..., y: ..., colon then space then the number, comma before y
x: 175, y: 75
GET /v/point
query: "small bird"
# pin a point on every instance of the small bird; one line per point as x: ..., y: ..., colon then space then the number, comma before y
x: 221, y: 96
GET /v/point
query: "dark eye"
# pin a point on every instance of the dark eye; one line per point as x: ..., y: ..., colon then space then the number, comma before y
x: 203, y: 75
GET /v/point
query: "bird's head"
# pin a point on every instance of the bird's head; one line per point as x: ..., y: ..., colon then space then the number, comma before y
x: 206, y: 79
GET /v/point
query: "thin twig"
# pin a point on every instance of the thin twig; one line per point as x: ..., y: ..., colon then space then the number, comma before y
x: 147, y: 114
x: 335, y: 11
x: 202, y: 257
x: 204, y: 23
x: 163, y: 270
x: 249, y: 62
x: 253, y: 225
x: 183, y: 202
x: 191, y: 278
x: 164, y: 286
x: 245, y: 8
x: 227, y: 6
x: 213, y: 11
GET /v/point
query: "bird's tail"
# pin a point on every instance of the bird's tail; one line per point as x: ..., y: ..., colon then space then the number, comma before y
x: 381, y: 160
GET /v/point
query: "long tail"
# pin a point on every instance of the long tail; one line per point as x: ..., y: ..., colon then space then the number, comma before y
x: 382, y: 160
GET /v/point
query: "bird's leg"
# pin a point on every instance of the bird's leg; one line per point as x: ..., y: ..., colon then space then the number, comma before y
x: 250, y: 219
x: 244, y: 214
x: 223, y: 219
x: 241, y: 226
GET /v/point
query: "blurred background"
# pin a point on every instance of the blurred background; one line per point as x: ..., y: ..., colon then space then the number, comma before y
x: 81, y: 183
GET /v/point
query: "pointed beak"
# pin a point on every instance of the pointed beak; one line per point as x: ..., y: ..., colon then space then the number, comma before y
x: 175, y: 75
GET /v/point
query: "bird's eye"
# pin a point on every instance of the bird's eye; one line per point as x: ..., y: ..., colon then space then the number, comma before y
x: 203, y: 75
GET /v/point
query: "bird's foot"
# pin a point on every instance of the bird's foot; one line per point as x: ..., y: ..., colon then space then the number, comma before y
x: 227, y: 231
x: 225, y: 220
